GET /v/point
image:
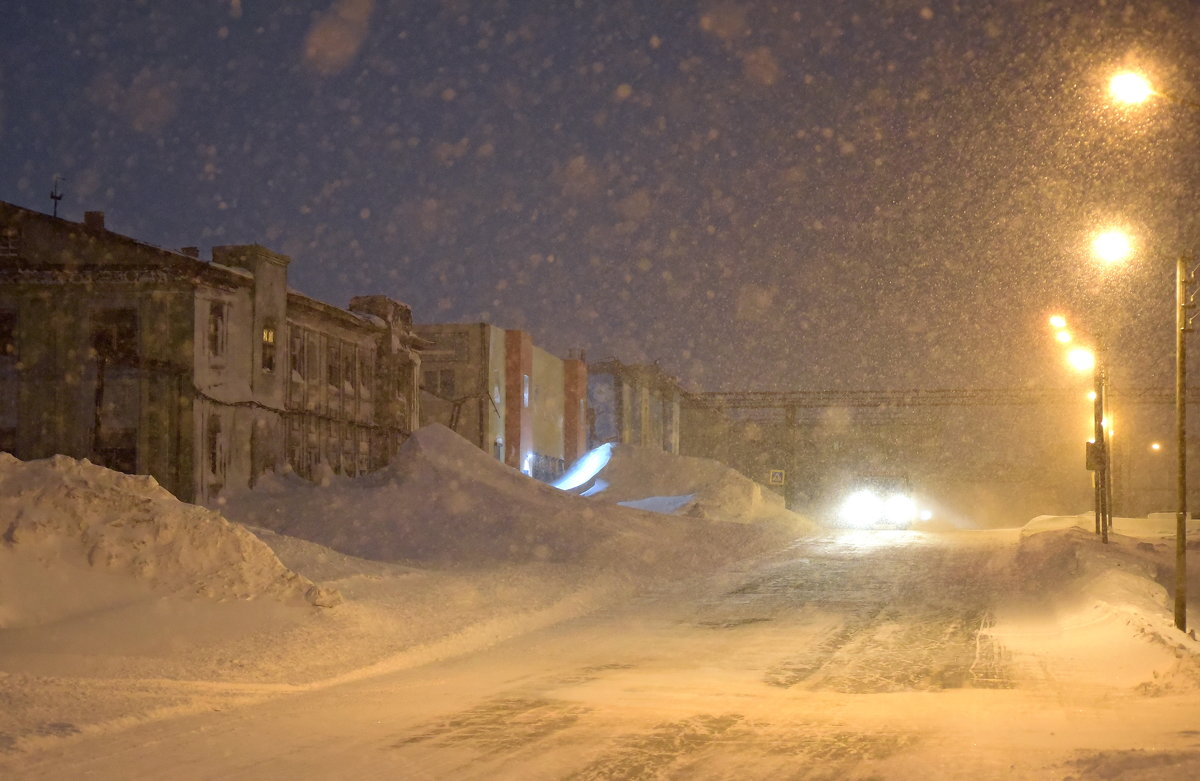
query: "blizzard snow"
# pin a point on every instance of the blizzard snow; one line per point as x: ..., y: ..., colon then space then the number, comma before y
x: 123, y: 610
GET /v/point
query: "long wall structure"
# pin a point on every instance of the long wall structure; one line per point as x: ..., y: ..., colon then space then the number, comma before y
x: 636, y: 404
x: 201, y: 374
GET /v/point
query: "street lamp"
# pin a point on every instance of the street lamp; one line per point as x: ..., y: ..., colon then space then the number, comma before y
x: 1132, y: 88
x: 1112, y: 246
x: 1098, y: 459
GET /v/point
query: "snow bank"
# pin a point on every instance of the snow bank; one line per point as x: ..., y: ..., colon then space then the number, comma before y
x: 1155, y: 526
x: 650, y: 479
x: 1099, y: 612
x: 59, y: 516
x: 444, y: 500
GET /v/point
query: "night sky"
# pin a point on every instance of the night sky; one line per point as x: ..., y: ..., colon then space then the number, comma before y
x: 758, y: 195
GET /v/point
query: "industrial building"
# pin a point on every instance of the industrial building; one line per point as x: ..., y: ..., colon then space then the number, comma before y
x: 506, y: 395
x: 203, y: 374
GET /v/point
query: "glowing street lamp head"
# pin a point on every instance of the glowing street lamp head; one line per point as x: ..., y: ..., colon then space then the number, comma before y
x: 1112, y: 246
x: 1063, y: 336
x: 1081, y: 359
x: 1058, y: 322
x: 1155, y: 446
x: 1130, y: 88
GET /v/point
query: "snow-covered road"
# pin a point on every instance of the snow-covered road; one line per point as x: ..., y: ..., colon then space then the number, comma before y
x: 862, y: 655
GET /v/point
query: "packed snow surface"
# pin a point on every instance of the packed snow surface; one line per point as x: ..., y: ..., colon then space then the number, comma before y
x: 487, y: 618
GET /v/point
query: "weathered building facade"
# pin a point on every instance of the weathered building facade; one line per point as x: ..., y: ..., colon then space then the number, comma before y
x: 634, y: 404
x: 509, y: 397
x: 201, y: 374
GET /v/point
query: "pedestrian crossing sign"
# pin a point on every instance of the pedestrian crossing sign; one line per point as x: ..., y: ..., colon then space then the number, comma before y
x: 776, y: 477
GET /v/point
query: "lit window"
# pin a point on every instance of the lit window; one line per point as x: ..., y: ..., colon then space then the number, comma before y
x: 524, y: 390
x: 268, y: 348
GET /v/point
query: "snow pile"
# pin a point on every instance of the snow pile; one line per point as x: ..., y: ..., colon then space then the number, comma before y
x: 649, y: 479
x: 59, y: 516
x: 1101, y: 612
x: 444, y: 500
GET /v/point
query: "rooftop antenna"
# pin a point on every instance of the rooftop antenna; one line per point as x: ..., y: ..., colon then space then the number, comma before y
x: 56, y: 193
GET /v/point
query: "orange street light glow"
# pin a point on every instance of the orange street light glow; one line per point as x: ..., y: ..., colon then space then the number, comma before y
x: 1112, y: 246
x: 1063, y: 336
x: 1155, y: 446
x: 1081, y: 359
x: 1058, y: 322
x: 1130, y: 88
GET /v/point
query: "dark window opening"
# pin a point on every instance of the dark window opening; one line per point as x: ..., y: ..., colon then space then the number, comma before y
x: 8, y: 335
x: 115, y: 336
x: 333, y: 366
x: 117, y: 450
x: 10, y: 242
x: 348, y: 367
x: 216, y: 329
x: 297, y: 350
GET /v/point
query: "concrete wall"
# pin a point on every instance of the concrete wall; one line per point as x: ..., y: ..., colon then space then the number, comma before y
x: 518, y: 379
x: 547, y: 406
x: 634, y: 404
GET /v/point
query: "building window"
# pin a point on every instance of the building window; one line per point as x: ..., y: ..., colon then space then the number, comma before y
x: 216, y: 329
x: 10, y: 242
x: 333, y: 366
x: 215, y: 455
x: 440, y: 382
x: 349, y: 366
x: 268, y: 347
x: 115, y: 337
x: 524, y: 390
x: 8, y: 335
x: 117, y: 450
x: 365, y: 378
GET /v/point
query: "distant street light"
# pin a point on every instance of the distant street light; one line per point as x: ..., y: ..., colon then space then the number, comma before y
x: 1132, y: 88
x: 1098, y: 454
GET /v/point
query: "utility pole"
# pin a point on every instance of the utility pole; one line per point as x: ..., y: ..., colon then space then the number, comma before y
x: 1182, y: 323
x: 56, y: 194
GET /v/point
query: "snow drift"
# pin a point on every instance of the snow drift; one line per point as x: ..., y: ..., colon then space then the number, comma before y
x: 61, y: 514
x: 650, y: 479
x: 444, y: 500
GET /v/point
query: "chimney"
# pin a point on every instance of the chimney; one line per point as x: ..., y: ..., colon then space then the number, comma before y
x: 93, y: 220
x: 191, y: 252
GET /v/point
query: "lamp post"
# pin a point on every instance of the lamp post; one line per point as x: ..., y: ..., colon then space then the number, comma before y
x: 1133, y: 88
x: 1098, y: 458
x: 1183, y: 303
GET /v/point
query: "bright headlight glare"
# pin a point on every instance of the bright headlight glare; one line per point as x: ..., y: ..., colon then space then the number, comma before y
x: 899, y: 509
x: 861, y: 508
